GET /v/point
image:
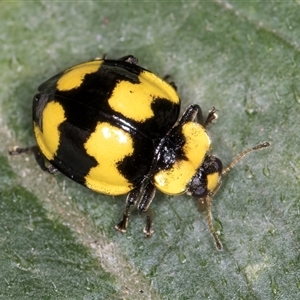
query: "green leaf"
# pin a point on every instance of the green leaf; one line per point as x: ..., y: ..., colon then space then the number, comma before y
x: 57, y: 239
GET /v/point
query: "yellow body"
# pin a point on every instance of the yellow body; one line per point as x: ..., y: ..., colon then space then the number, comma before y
x: 126, y: 95
x: 119, y: 143
x: 74, y: 76
x: 47, y: 135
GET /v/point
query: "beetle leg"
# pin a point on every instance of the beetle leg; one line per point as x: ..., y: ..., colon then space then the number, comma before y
x: 130, y: 59
x: 146, y: 194
x: 16, y: 150
x: 39, y: 157
x: 168, y: 79
x: 210, y: 116
x: 130, y: 201
x: 194, y: 112
x: 146, y: 199
x: 148, y: 229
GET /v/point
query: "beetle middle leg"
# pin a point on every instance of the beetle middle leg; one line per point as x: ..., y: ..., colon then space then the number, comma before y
x: 130, y: 201
x: 145, y: 201
x: 145, y: 196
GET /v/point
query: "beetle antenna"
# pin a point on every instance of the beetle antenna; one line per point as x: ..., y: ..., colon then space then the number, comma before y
x: 212, y: 230
x: 244, y: 153
x: 208, y: 200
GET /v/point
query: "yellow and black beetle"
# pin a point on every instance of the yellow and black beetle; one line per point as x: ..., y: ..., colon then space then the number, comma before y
x: 113, y: 127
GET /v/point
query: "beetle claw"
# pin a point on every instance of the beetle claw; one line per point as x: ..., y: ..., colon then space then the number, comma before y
x: 148, y: 229
x: 122, y: 225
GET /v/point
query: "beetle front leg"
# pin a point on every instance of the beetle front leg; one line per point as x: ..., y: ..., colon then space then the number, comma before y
x: 146, y: 195
x: 130, y: 201
x: 146, y: 199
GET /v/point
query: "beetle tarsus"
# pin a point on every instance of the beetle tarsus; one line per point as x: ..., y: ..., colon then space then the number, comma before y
x: 52, y: 170
x: 130, y: 201
x: 129, y: 59
x: 148, y: 229
x: 17, y: 151
x: 211, y: 116
x: 122, y: 225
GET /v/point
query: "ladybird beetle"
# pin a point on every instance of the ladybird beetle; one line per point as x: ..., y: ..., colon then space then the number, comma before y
x: 113, y: 127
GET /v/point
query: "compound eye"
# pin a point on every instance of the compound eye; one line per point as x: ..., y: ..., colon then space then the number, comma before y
x: 198, y: 185
x: 199, y: 192
x: 212, y: 165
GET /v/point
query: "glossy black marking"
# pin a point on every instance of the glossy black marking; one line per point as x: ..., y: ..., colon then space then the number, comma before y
x: 136, y: 166
x: 87, y: 105
x: 171, y: 150
x: 91, y: 98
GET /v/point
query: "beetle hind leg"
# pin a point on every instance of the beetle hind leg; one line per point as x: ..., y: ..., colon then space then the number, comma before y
x: 39, y: 157
x: 17, y: 151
